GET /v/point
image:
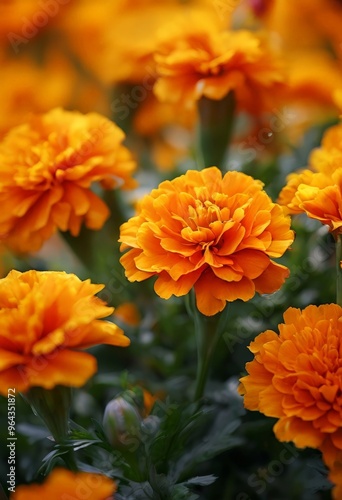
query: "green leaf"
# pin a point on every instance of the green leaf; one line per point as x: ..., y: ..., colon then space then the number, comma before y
x: 218, y: 439
x: 181, y: 492
x: 49, y: 461
x: 201, y: 480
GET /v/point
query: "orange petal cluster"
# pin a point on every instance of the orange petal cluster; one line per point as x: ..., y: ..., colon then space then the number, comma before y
x: 126, y: 53
x: 19, y: 97
x: 216, y: 234
x: 46, y: 319
x: 318, y: 191
x: 62, y: 484
x: 213, y: 63
x: 296, y: 377
x: 47, y: 169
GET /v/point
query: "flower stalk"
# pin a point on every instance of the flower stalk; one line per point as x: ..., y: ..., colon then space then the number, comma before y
x: 215, y: 129
x: 53, y: 407
x: 208, y: 331
x: 339, y: 269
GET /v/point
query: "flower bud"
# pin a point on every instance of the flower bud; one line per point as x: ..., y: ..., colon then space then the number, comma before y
x: 150, y: 425
x: 121, y: 421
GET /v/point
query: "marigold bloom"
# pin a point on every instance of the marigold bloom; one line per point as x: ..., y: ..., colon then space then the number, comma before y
x: 125, y: 54
x: 211, y: 64
x: 14, y: 17
x: 319, y: 22
x: 215, y: 234
x: 46, y: 318
x: 128, y: 313
x: 47, y: 168
x: 62, y: 484
x: 318, y: 192
x: 296, y: 377
x: 19, y: 97
x: 314, y: 77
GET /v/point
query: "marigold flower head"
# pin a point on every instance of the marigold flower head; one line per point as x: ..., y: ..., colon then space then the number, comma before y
x: 125, y: 54
x: 14, y: 17
x: 313, y: 77
x: 212, y: 63
x: 62, y: 484
x: 47, y: 169
x: 128, y: 313
x: 296, y: 377
x: 318, y: 192
x: 215, y: 234
x: 19, y: 96
x: 319, y: 23
x: 46, y: 319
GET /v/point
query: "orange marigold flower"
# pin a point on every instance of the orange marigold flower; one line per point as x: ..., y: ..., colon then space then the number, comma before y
x: 296, y: 377
x: 215, y: 234
x: 19, y: 97
x: 125, y: 54
x: 211, y: 64
x: 47, y: 168
x: 318, y: 192
x: 62, y: 484
x: 128, y: 313
x: 46, y: 319
x: 149, y: 400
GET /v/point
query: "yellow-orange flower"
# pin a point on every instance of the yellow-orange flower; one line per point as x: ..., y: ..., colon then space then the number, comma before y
x: 215, y: 234
x: 19, y: 97
x: 46, y: 318
x: 318, y: 192
x: 128, y: 313
x: 211, y: 64
x: 47, y: 169
x: 14, y: 19
x: 319, y: 23
x: 125, y: 54
x: 62, y: 484
x: 314, y: 77
x: 296, y: 377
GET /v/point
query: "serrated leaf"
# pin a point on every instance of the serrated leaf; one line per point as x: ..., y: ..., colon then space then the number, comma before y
x: 218, y: 439
x: 85, y: 443
x: 181, y: 492
x: 135, y: 491
x: 201, y: 480
x: 49, y: 460
x: 99, y: 431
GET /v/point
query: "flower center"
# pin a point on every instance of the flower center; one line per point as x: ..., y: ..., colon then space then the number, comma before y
x: 203, y: 214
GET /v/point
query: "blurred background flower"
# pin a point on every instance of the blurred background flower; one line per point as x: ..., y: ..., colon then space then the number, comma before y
x: 62, y: 483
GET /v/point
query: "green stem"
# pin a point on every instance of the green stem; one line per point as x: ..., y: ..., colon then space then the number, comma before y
x: 202, y: 362
x: 82, y: 246
x: 215, y: 129
x: 339, y: 269
x: 53, y: 407
x: 97, y: 250
x: 69, y: 458
x: 208, y: 331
